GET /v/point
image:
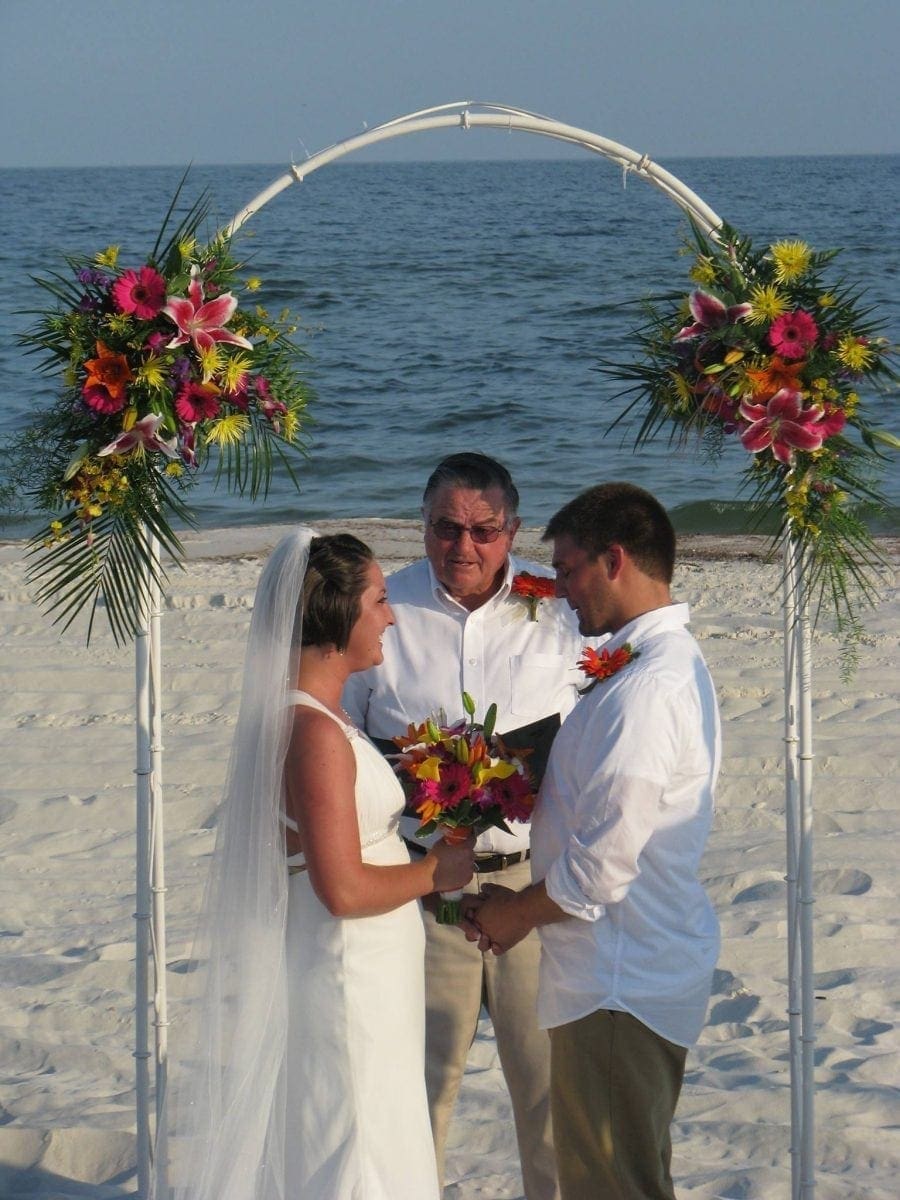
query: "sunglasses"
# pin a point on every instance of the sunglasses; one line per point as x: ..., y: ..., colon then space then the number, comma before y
x: 449, y: 531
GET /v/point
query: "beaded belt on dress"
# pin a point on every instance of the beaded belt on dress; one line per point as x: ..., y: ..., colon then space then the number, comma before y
x: 382, y: 836
x: 485, y: 863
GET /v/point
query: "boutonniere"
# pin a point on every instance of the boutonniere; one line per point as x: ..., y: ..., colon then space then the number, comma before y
x: 532, y: 589
x: 600, y: 664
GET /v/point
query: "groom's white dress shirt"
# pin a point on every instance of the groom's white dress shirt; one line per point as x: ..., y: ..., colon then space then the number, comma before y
x: 496, y: 654
x: 618, y: 833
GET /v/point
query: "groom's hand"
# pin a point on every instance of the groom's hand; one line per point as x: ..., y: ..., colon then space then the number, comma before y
x: 498, y: 917
x: 468, y: 922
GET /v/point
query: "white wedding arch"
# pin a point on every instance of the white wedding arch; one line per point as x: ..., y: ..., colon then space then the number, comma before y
x: 150, y: 914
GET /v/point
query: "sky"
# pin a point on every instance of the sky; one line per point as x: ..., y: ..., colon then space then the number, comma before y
x: 126, y: 82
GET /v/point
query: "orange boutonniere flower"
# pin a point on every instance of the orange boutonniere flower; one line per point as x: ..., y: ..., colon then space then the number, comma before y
x: 532, y: 589
x: 600, y: 664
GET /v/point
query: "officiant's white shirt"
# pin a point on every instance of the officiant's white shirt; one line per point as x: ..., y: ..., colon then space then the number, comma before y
x: 617, y: 836
x: 437, y: 650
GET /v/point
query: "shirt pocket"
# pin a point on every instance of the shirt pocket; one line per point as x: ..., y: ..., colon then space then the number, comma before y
x: 539, y: 684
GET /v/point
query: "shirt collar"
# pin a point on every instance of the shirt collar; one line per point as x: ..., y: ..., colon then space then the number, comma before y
x: 649, y: 624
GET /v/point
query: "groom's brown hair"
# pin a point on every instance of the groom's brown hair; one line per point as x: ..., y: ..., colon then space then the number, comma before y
x: 624, y: 514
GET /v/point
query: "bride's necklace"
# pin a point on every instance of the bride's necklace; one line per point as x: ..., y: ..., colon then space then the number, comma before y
x: 336, y: 710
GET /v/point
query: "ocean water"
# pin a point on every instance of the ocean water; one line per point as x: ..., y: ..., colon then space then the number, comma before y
x: 461, y: 305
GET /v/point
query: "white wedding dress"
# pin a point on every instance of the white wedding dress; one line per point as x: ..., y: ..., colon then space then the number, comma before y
x: 357, y: 1114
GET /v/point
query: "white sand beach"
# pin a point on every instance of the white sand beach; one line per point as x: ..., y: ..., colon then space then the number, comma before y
x: 67, y: 886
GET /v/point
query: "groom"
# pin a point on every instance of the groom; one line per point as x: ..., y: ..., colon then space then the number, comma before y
x: 629, y: 938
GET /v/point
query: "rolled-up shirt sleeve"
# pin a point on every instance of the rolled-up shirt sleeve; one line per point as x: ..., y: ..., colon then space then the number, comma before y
x: 601, y: 860
x: 621, y: 803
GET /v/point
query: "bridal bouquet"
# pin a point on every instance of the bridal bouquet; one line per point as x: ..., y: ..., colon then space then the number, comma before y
x: 464, y: 780
x: 767, y: 352
x: 161, y: 369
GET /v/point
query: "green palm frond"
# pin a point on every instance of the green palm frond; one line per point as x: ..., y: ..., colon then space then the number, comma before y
x: 106, y: 564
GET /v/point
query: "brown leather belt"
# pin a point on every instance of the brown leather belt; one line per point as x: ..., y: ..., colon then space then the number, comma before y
x: 499, y: 862
x: 484, y: 863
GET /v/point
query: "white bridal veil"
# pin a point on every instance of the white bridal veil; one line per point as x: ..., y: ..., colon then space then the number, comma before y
x: 225, y: 1121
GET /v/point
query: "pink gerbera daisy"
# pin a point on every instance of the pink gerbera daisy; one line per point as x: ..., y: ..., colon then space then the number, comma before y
x: 453, y: 785
x: 513, y: 794
x: 793, y: 334
x: 101, y: 400
x: 142, y: 293
x: 197, y: 402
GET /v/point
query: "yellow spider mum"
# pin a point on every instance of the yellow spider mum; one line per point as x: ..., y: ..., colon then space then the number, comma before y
x: 151, y: 373
x: 174, y: 470
x: 827, y: 300
x: 234, y: 371
x: 289, y: 424
x: 211, y: 362
x: 792, y: 260
x: 228, y: 430
x: 108, y: 257
x: 254, y: 283
x: 703, y: 272
x: 768, y: 303
x: 855, y: 353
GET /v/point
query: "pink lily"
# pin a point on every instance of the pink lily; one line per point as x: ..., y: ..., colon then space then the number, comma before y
x: 203, y: 321
x: 710, y: 313
x: 143, y: 434
x: 783, y: 424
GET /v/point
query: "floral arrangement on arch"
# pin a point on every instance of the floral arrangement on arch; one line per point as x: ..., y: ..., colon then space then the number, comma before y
x: 162, y: 370
x: 767, y: 353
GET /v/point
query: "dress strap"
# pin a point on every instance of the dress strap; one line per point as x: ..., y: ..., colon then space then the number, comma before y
x: 308, y: 701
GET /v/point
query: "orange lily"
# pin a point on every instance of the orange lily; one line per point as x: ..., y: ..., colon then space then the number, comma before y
x: 766, y: 381
x: 110, y: 371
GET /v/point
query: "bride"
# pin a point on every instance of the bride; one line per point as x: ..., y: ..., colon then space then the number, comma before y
x: 303, y: 1078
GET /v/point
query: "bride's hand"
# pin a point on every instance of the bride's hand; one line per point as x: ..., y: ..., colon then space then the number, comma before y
x: 454, y: 865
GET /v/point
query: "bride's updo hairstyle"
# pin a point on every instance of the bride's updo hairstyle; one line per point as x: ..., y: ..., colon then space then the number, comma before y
x: 336, y: 578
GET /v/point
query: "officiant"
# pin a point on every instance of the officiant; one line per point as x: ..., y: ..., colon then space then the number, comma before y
x: 464, y: 621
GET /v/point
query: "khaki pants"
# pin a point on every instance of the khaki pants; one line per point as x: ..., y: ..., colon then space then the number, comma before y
x: 615, y: 1084
x: 458, y: 980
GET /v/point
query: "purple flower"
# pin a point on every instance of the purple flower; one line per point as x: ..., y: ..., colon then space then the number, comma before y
x: 91, y: 277
x: 181, y: 369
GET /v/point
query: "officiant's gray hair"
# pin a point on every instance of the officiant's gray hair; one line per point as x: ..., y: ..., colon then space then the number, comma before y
x: 476, y: 472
